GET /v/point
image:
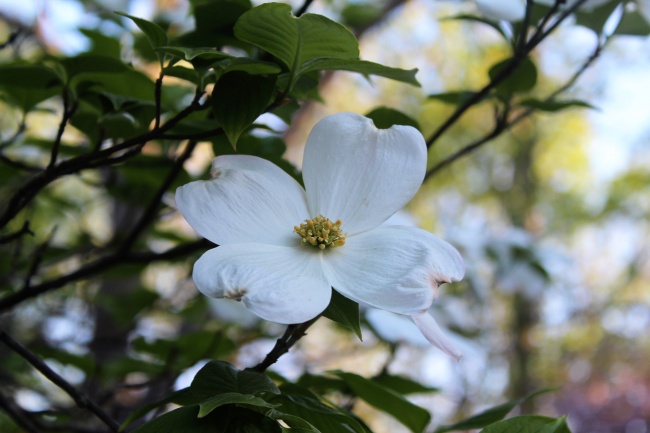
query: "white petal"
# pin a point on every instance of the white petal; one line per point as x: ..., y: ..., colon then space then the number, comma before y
x: 430, y: 329
x: 280, y: 284
x: 250, y: 200
x: 509, y: 10
x: 360, y: 174
x: 394, y: 268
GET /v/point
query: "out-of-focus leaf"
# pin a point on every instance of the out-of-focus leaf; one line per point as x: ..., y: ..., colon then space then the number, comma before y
x: 218, y: 377
x: 238, y: 99
x: 384, y: 118
x: 455, y: 97
x: 250, y: 66
x: 91, y: 63
x: 322, y: 384
x: 214, y: 21
x: 633, y: 23
x: 477, y: 19
x: 386, y: 400
x: 345, y: 312
x: 183, y: 73
x: 553, y: 106
x: 522, y: 79
x: 532, y: 424
x: 401, y: 384
x: 154, y: 33
x: 596, y: 18
x: 26, y: 85
x: 175, y: 397
x: 102, y: 44
x: 489, y: 416
x: 296, y: 424
x: 360, y: 15
x: 189, y: 54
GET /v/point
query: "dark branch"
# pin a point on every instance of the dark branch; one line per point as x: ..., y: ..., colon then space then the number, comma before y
x: 151, y: 211
x: 80, y: 399
x: 15, y: 235
x: 290, y: 337
x: 304, y: 7
x: 100, y: 265
x: 17, y: 414
x: 68, y: 111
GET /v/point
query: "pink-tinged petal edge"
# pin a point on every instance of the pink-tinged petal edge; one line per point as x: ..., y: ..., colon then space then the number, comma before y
x: 432, y: 332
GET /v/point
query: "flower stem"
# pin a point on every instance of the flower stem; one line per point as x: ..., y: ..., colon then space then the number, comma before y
x: 290, y: 337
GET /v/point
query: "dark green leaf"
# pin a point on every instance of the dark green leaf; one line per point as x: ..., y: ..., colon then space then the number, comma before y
x: 456, y: 97
x: 384, y: 118
x: 401, y: 384
x: 190, y: 54
x: 238, y: 99
x: 297, y: 424
x: 386, y: 400
x: 211, y: 404
x: 174, y: 397
x: 250, y: 66
x: 529, y: 424
x: 596, y: 18
x: 489, y: 416
x: 362, y: 67
x: 102, y: 44
x: 344, y: 311
x: 322, y: 384
x: 633, y: 23
x: 186, y: 74
x: 214, y: 21
x: 553, y: 106
x: 24, y: 75
x: 184, y: 419
x: 92, y: 63
x: 154, y: 33
x: 522, y: 79
x: 302, y: 403
x: 218, y: 377
x: 360, y: 15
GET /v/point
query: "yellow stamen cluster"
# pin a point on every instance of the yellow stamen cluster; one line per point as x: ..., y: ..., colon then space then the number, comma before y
x: 321, y: 232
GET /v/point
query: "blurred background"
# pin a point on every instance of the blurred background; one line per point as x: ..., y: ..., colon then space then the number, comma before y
x: 551, y: 218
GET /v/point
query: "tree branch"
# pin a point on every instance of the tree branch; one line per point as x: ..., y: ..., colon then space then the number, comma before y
x: 15, y: 235
x: 17, y: 414
x: 291, y: 335
x: 80, y: 399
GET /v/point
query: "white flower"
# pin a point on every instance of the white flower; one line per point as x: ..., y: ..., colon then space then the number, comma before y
x: 509, y: 10
x: 271, y: 258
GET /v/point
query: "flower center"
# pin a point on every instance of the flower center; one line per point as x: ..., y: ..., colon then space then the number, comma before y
x: 320, y: 232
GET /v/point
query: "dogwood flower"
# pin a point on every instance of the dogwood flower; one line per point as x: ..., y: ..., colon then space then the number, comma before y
x: 282, y: 248
x: 508, y: 10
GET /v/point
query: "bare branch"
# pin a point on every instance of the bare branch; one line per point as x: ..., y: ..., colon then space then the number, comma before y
x: 80, y: 399
x: 291, y: 335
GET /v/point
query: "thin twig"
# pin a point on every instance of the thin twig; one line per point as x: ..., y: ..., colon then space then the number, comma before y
x: 10, y: 40
x: 157, y: 99
x: 499, y: 129
x: 304, y: 7
x: 151, y: 210
x: 519, y: 56
x: 36, y: 261
x: 68, y: 111
x: 101, y: 265
x: 24, y: 230
x: 80, y: 399
x: 17, y: 414
x: 19, y: 165
x: 291, y: 335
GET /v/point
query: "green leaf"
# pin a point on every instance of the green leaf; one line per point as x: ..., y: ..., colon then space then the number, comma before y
x: 250, y: 66
x: 401, y: 384
x: 26, y: 75
x: 184, y: 419
x: 633, y: 23
x: 489, y: 416
x: 295, y: 41
x: 596, y: 18
x: 360, y: 15
x: 529, y: 424
x: 91, y: 63
x: 386, y: 400
x: 301, y: 403
x: 345, y: 312
x: 482, y: 20
x: 102, y: 44
x: 522, y: 79
x: 142, y: 411
x: 455, y: 97
x: 190, y: 54
x: 218, y: 377
x: 214, y: 21
x: 186, y: 74
x: 154, y: 33
x: 384, y: 118
x: 553, y: 106
x: 238, y: 99
x: 362, y: 67
x: 211, y: 404
x: 297, y: 424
